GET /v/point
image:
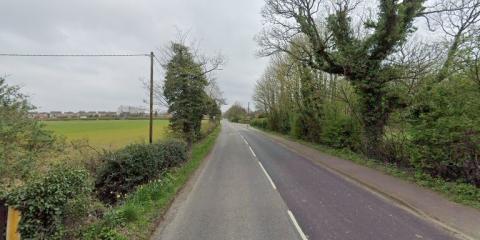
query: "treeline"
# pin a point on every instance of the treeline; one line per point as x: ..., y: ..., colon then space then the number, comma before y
x: 366, y: 83
x: 70, y: 190
x: 237, y: 114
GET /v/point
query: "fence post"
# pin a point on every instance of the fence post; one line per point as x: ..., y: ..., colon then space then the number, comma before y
x: 13, y: 222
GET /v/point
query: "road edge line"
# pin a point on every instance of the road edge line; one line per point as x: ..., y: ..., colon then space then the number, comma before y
x: 297, y: 226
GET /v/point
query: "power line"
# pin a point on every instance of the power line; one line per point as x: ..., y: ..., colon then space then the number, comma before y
x: 158, y: 61
x: 151, y: 55
x: 72, y: 55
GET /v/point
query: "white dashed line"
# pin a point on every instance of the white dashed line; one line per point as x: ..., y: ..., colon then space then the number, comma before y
x: 259, y: 163
x: 295, y: 223
x: 268, y: 176
x: 290, y: 214
x: 244, y: 140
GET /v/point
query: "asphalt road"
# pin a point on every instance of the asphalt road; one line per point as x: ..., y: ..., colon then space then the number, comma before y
x: 231, y: 199
x: 254, y: 188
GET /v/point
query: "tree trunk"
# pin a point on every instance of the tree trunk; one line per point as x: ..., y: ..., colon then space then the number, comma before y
x: 374, y: 113
x: 311, y: 103
x: 373, y: 138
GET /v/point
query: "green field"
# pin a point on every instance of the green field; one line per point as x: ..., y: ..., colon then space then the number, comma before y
x: 108, y: 133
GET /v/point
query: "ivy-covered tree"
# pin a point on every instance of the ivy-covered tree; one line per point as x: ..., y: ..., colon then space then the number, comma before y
x: 184, y: 92
x: 335, y: 46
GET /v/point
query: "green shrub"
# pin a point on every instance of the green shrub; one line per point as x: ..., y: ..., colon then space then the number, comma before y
x: 126, y: 168
x: 45, y: 202
x: 259, y: 122
x: 445, y: 131
x: 175, y: 152
x: 102, y: 233
x: 134, y: 165
x: 297, y: 127
x: 23, y: 141
x: 340, y: 132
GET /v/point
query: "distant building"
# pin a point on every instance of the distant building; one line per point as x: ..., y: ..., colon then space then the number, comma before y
x: 70, y: 115
x: 56, y: 114
x: 42, y: 116
x: 92, y: 114
x: 125, y: 111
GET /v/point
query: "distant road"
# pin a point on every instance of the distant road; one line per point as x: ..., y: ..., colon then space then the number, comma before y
x: 253, y: 188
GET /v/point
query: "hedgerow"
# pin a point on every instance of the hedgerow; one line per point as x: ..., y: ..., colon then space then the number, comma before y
x: 133, y: 165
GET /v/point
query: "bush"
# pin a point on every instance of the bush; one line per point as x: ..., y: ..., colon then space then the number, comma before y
x: 23, y: 141
x: 175, y: 152
x: 45, y: 202
x: 136, y: 164
x: 445, y: 131
x: 259, y: 122
x: 340, y: 132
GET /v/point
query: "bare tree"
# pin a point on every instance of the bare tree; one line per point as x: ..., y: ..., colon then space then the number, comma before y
x: 459, y: 21
x: 213, y: 90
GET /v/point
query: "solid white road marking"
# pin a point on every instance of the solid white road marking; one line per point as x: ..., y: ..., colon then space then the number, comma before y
x: 295, y: 223
x: 251, y: 150
x: 268, y: 176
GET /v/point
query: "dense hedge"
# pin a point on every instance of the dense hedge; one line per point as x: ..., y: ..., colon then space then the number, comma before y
x: 444, y: 131
x: 44, y: 202
x: 341, y: 132
x: 174, y: 152
x: 259, y: 122
x: 135, y: 164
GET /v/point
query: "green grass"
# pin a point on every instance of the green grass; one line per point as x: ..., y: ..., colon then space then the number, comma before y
x: 107, y: 133
x: 111, y: 133
x: 137, y: 217
x: 459, y: 192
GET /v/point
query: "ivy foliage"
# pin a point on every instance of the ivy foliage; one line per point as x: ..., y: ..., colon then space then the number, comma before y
x: 44, y: 202
x: 184, y: 91
x: 125, y: 169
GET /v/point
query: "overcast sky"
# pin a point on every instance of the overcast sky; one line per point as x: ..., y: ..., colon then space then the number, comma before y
x: 121, y: 26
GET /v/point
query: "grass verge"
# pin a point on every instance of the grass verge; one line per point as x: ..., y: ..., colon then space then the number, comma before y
x: 459, y: 192
x: 136, y: 218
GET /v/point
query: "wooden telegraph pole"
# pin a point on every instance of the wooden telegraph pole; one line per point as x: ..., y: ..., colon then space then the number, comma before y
x: 150, y: 133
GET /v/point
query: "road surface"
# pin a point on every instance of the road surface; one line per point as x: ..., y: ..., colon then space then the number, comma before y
x: 254, y: 188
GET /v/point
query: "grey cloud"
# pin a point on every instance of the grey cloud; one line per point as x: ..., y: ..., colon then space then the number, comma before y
x: 58, y: 26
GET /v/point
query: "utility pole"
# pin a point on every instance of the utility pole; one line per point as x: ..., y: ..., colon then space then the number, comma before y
x: 150, y: 133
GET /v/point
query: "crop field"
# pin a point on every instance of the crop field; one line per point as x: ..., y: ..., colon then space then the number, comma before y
x: 108, y: 133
